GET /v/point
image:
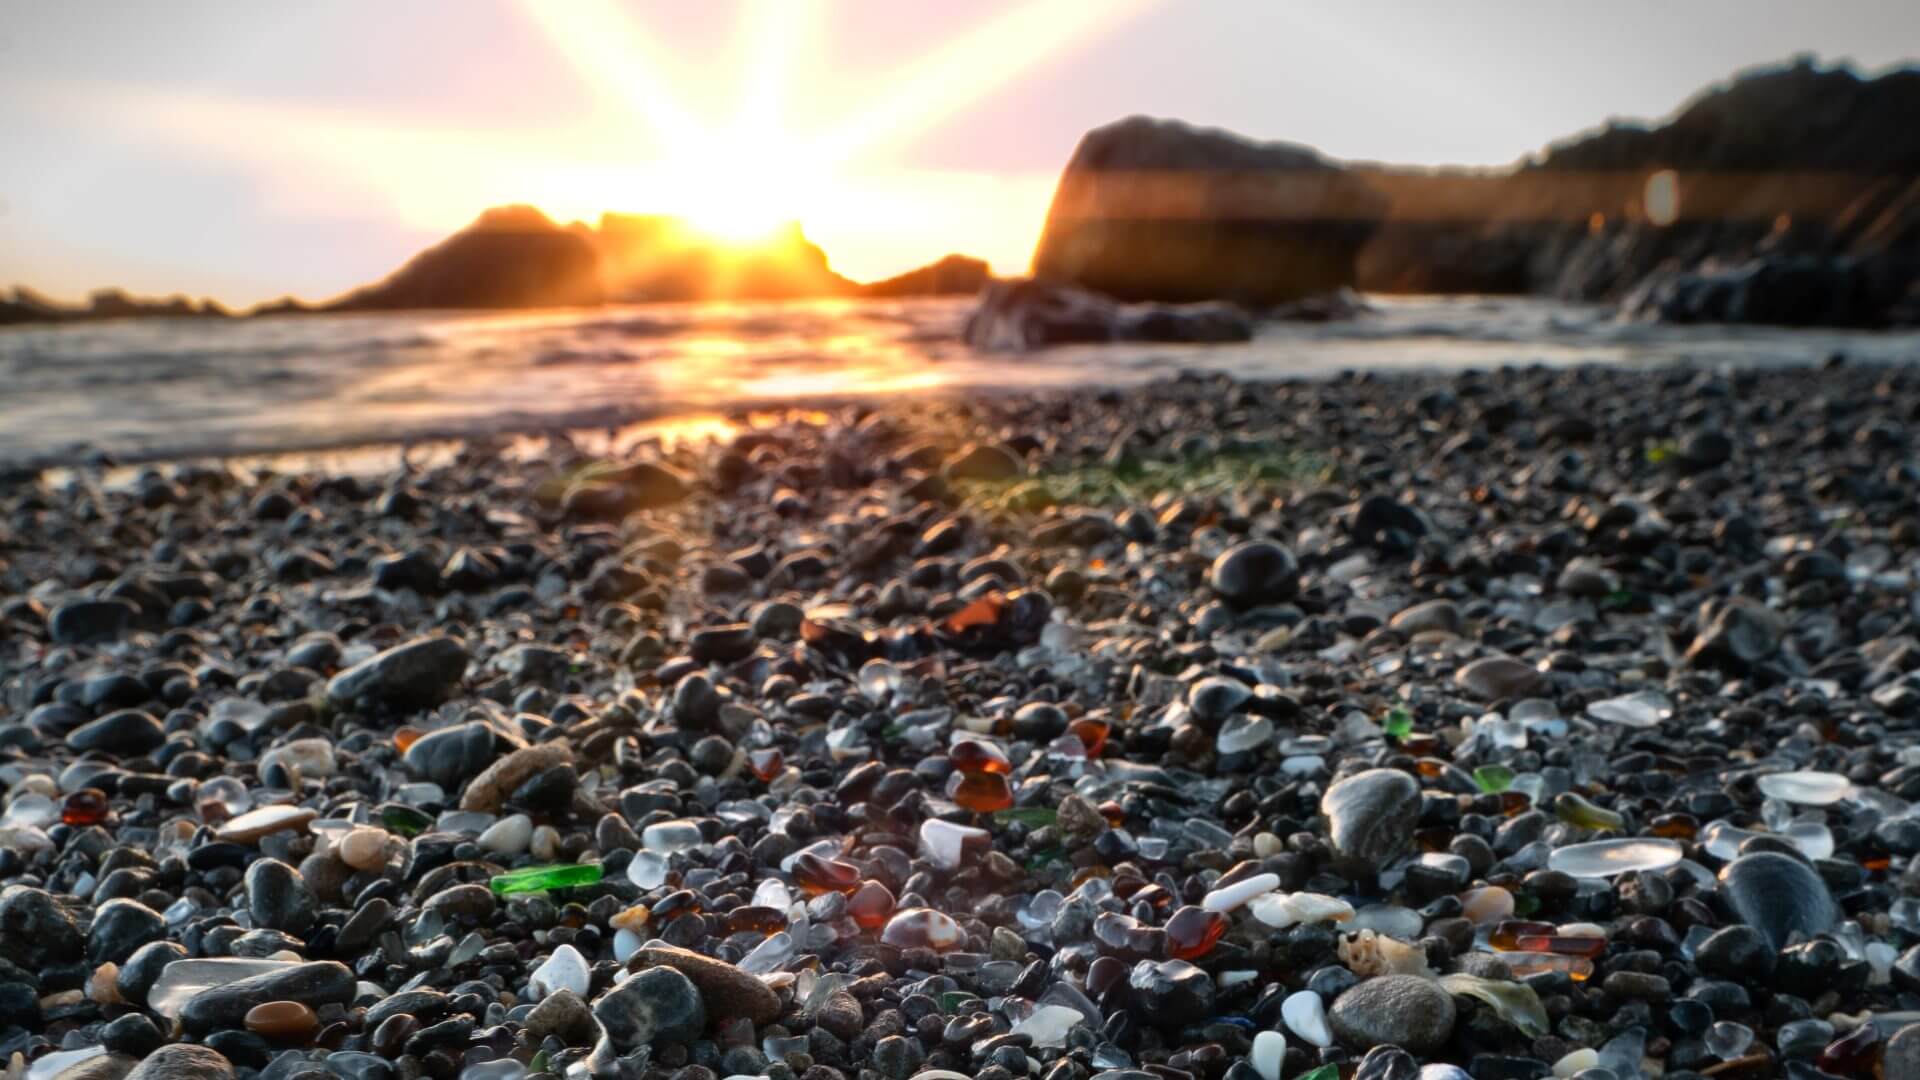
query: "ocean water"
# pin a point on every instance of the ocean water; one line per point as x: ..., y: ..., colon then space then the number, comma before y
x: 151, y: 389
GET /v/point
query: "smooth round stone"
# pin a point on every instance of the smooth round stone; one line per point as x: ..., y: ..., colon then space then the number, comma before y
x: 282, y: 1021
x: 725, y: 988
x: 183, y: 1061
x: 278, y: 897
x: 509, y: 836
x: 1370, y: 818
x: 120, y: 927
x: 1777, y: 894
x: 1606, y: 858
x: 1805, y: 788
x: 658, y: 1005
x: 124, y: 733
x: 1485, y: 906
x: 1255, y: 572
x: 1395, y: 1010
x: 364, y: 849
x: 1269, y: 1054
x: 267, y: 820
x: 1237, y: 894
x: 1306, y: 1016
x: 452, y: 755
x: 418, y: 673
x: 322, y: 982
x: 1492, y: 678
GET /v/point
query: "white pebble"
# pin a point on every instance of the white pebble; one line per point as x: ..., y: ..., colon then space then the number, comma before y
x: 545, y: 843
x: 1306, y: 1016
x: 508, y: 836
x: 566, y: 969
x: 1269, y: 1053
x: 1240, y: 892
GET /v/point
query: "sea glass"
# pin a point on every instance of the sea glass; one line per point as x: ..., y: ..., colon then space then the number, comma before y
x: 1192, y: 932
x: 766, y: 764
x: 1523, y: 964
x: 1605, y: 858
x: 1805, y: 788
x: 648, y: 869
x: 923, y: 928
x: 763, y: 920
x: 667, y: 837
x: 182, y: 979
x: 1515, y: 1003
x: 1643, y: 709
x: 1506, y: 936
x: 943, y: 843
x: 871, y: 905
x: 1564, y: 945
x: 1091, y: 733
x: 972, y: 756
x: 1305, y: 1014
x: 542, y: 878
x: 88, y: 806
x: 1237, y: 894
x: 982, y: 793
x: 1398, y: 722
x: 1574, y: 810
x: 1493, y: 779
x: 816, y: 875
x: 770, y: 954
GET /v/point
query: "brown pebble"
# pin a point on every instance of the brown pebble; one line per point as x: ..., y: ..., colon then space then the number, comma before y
x: 364, y: 849
x: 283, y: 1021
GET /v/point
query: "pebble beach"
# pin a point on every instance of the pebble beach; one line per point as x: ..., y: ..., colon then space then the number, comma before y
x: 1503, y: 724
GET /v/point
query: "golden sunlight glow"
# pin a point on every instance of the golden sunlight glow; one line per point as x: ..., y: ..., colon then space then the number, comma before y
x: 743, y: 180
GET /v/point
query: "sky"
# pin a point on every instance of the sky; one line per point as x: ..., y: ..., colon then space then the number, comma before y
x: 245, y: 151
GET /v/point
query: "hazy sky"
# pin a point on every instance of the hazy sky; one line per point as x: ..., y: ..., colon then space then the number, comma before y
x: 246, y: 150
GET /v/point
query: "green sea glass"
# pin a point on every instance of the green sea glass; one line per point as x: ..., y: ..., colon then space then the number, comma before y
x: 405, y: 820
x: 541, y: 878
x: 1493, y: 779
x: 1575, y: 810
x: 1398, y: 722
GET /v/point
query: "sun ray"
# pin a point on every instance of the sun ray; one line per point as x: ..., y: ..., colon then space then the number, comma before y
x: 777, y: 31
x: 613, y: 50
x: 972, y: 66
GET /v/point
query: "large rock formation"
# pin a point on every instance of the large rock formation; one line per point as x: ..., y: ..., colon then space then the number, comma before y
x: 955, y: 275
x: 1158, y: 210
x: 1804, y: 177
x: 512, y: 257
x: 1015, y: 316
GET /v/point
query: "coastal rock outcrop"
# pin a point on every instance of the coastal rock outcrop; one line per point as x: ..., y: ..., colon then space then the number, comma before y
x: 1158, y: 210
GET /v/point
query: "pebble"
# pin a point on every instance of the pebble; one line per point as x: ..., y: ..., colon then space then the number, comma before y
x: 658, y: 1005
x: 1777, y: 895
x: 420, y: 672
x: 1370, y: 817
x: 726, y: 990
x: 1394, y: 1010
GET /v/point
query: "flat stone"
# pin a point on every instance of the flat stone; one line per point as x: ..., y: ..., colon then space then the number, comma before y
x: 183, y: 1061
x: 421, y: 672
x: 321, y: 982
x: 1394, y: 1010
x: 491, y: 787
x: 249, y: 827
x: 1777, y: 894
x: 726, y: 989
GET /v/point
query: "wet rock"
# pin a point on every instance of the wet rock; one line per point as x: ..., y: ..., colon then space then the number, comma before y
x: 1777, y: 895
x: 316, y: 983
x: 1394, y: 1010
x: 126, y: 733
x: 278, y: 897
x: 35, y: 930
x: 183, y: 1062
x: 1255, y: 572
x: 450, y: 756
x: 418, y: 673
x: 1371, y: 817
x: 562, y: 1015
x: 658, y: 1005
x: 1498, y: 678
x: 83, y: 622
x: 491, y: 788
x: 725, y: 989
x: 119, y: 928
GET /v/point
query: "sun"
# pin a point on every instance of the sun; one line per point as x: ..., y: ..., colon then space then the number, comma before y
x: 753, y: 177
x: 732, y: 190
